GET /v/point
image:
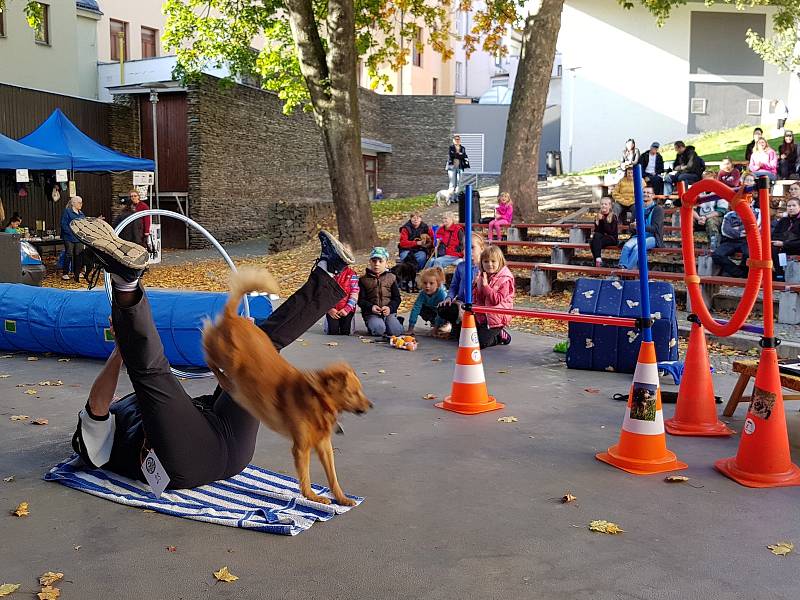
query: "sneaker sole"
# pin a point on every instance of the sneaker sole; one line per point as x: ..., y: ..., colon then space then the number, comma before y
x: 339, y: 247
x: 99, y: 235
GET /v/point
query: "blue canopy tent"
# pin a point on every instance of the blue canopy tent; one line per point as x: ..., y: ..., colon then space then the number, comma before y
x: 14, y: 155
x: 60, y: 136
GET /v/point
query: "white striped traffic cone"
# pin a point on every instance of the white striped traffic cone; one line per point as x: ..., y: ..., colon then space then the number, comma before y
x: 642, y: 447
x: 469, y: 395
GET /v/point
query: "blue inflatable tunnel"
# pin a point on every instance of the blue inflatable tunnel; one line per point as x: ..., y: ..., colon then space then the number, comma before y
x: 75, y: 323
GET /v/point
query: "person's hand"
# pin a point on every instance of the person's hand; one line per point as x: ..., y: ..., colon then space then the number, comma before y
x: 484, y: 279
x: 385, y: 311
x: 783, y: 156
x: 342, y: 313
x: 445, y: 302
x: 420, y: 243
x: 377, y: 310
x: 333, y: 313
x: 777, y: 243
x: 701, y: 221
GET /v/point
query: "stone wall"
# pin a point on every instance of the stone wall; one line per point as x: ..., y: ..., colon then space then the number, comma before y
x: 293, y: 223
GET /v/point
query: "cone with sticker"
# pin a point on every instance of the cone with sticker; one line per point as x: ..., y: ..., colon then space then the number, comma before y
x: 469, y: 395
x: 696, y: 411
x: 763, y: 459
x: 642, y: 447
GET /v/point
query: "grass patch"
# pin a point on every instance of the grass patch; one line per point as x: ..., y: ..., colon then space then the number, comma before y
x: 391, y: 210
x: 712, y: 146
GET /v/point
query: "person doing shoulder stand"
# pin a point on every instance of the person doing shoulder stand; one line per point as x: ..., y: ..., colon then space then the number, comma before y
x: 493, y: 288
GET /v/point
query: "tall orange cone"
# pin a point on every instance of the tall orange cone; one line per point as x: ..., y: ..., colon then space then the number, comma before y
x: 469, y: 395
x: 642, y: 447
x: 696, y: 411
x: 763, y: 459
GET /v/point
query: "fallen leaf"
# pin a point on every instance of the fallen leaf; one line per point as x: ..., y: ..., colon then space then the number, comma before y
x: 429, y: 397
x: 147, y: 510
x: 31, y: 392
x: 437, y: 359
x: 171, y: 549
x: 8, y: 588
x: 676, y: 478
x: 39, y: 422
x: 49, y: 593
x: 21, y: 510
x: 592, y: 390
x: 7, y: 356
x: 507, y: 420
x: 300, y: 340
x: 781, y: 548
x: 52, y: 383
x: 567, y: 498
x: 381, y: 371
x: 18, y: 417
x: 332, y: 343
x: 4, y: 376
x: 50, y: 578
x: 366, y: 341
x: 8, y: 479
x: 304, y: 344
x: 501, y: 371
x: 33, y: 358
x: 63, y: 360
x: 224, y: 575
x: 76, y: 547
x: 605, y: 527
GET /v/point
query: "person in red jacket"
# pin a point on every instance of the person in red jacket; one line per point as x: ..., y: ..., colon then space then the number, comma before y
x: 139, y: 205
x: 412, y: 240
x: 449, y: 242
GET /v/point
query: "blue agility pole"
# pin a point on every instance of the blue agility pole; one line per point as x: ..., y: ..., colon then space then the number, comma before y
x: 641, y: 247
x: 468, y: 248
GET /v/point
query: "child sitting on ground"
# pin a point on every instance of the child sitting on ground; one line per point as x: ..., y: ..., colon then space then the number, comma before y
x: 502, y: 215
x: 379, y: 296
x: 494, y: 287
x: 433, y: 292
x: 339, y: 320
x: 450, y: 308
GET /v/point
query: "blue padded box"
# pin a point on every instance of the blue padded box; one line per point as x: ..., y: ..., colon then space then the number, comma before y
x: 605, y: 348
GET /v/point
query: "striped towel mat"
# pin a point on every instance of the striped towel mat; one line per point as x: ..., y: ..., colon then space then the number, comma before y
x: 254, y: 499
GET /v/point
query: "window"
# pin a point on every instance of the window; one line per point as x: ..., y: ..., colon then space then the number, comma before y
x: 149, y: 42
x: 416, y: 52
x: 459, y: 77
x: 42, y: 33
x: 459, y: 19
x: 117, y: 29
x: 2, y: 24
x: 498, y: 59
x: 698, y: 106
x: 435, y: 87
x: 754, y: 106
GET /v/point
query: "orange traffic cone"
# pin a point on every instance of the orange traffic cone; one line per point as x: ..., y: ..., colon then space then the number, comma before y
x: 642, y: 447
x: 696, y: 411
x: 763, y: 459
x: 469, y: 395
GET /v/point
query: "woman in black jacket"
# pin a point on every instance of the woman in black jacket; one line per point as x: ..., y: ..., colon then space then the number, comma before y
x: 786, y: 236
x: 457, y: 161
x: 787, y: 156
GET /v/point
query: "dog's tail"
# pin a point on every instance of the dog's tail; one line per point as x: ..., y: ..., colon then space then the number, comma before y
x: 244, y: 281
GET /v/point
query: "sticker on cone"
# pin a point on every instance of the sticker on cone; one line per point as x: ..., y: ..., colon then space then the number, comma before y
x: 696, y: 410
x: 469, y: 395
x: 642, y: 447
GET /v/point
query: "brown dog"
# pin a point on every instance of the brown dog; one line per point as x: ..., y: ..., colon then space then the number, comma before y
x: 302, y: 405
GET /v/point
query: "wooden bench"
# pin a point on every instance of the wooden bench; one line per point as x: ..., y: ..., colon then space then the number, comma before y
x: 562, y: 252
x: 747, y: 369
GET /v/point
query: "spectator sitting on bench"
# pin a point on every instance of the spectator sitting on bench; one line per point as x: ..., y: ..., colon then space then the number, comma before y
x: 606, y: 230
x: 728, y: 174
x: 709, y: 212
x: 758, y: 133
x: 734, y: 239
x: 630, y: 156
x: 688, y: 167
x: 787, y: 157
x: 654, y: 232
x: 449, y: 248
x: 623, y: 198
x: 652, y: 165
x: 764, y: 161
x: 786, y: 235
x: 413, y: 242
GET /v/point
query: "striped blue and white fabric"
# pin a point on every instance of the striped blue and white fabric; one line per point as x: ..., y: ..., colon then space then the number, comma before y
x: 255, y: 499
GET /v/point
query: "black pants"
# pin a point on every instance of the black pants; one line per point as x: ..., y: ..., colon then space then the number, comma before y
x: 72, y: 258
x: 655, y: 182
x: 488, y: 336
x: 623, y: 212
x: 340, y: 326
x: 198, y: 447
x: 721, y: 257
x: 600, y: 241
x: 786, y: 169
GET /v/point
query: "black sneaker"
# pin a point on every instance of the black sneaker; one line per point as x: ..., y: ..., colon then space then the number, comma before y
x: 115, y: 255
x: 505, y: 337
x: 334, y: 253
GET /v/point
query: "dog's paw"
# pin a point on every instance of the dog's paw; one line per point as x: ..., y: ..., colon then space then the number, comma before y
x: 345, y: 501
x: 320, y: 499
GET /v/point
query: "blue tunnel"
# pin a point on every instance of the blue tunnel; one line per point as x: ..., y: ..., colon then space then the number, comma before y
x: 75, y: 322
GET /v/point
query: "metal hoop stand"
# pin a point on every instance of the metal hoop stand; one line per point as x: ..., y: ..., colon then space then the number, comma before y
x: 209, y: 237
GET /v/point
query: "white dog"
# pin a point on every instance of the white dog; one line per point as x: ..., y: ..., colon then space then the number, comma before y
x: 445, y: 197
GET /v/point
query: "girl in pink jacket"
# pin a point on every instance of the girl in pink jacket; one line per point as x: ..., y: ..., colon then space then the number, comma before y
x: 494, y: 287
x: 764, y: 161
x: 502, y: 215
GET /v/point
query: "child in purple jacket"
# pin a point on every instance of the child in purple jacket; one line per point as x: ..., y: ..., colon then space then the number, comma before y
x: 502, y: 215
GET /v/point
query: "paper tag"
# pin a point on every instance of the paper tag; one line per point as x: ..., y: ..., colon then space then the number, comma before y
x: 22, y: 176
x: 155, y: 474
x: 61, y: 175
x: 782, y: 259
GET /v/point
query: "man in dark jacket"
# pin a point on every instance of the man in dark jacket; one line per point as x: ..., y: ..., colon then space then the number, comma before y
x: 652, y: 165
x: 688, y: 167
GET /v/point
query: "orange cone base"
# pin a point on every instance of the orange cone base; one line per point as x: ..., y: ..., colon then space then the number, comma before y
x: 728, y: 467
x: 470, y: 408
x: 675, y: 427
x: 664, y: 464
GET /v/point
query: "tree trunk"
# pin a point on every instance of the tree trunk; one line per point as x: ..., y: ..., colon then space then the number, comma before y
x: 520, y: 170
x: 332, y: 85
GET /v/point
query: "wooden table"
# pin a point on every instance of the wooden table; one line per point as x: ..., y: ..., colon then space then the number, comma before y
x: 746, y: 370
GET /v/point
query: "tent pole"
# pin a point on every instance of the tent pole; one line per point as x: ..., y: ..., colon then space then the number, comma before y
x: 154, y: 102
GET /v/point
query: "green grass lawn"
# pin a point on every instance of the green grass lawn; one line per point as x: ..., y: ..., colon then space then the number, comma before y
x: 712, y: 146
x: 386, y: 210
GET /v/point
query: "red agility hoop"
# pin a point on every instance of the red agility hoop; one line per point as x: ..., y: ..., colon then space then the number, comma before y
x: 753, y: 285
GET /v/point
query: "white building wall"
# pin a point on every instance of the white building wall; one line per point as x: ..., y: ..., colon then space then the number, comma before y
x: 624, y: 77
